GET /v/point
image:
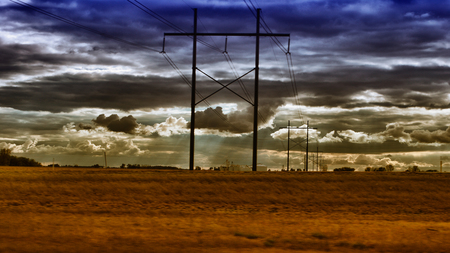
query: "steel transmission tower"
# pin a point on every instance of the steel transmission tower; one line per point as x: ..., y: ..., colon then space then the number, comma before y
x: 296, y: 143
x: 194, y: 72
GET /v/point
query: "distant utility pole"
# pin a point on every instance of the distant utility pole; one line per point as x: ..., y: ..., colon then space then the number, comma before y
x: 194, y: 70
x: 106, y: 164
x: 443, y: 159
x: 315, y: 159
x: 298, y: 143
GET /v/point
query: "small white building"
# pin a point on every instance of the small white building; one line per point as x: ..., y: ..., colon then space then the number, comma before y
x: 261, y: 167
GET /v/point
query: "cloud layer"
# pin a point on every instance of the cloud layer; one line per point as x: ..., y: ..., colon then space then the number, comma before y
x: 371, y: 76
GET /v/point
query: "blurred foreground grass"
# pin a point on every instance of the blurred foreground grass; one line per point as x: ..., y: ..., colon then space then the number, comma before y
x: 113, y: 210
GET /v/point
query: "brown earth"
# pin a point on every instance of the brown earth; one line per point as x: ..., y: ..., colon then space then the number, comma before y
x: 120, y: 210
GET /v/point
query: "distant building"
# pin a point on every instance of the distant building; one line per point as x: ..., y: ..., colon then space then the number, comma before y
x: 261, y: 167
x: 236, y: 167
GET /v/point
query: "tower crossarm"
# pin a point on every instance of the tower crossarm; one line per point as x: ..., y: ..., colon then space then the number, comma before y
x: 231, y: 34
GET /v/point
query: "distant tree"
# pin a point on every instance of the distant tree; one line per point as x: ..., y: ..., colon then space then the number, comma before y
x: 344, y: 169
x: 23, y: 161
x: 122, y: 166
x: 5, y: 156
x: 6, y: 159
x: 413, y: 169
x: 376, y: 169
x: 381, y: 169
x: 133, y: 166
x: 389, y: 168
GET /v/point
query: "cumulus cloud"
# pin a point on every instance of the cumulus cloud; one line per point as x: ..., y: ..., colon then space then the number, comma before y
x: 113, y: 123
x: 360, y: 137
x: 102, y: 120
x: 296, y: 132
x: 171, y: 126
x: 239, y: 121
x: 330, y: 137
x: 425, y: 136
x: 122, y: 147
x: 32, y: 146
x: 396, y: 132
x: 362, y: 161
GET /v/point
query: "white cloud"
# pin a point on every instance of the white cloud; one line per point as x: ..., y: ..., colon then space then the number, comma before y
x: 360, y: 137
x: 295, y: 132
x: 369, y: 96
x: 172, y: 126
x: 414, y: 15
x: 330, y: 138
x: 368, y: 7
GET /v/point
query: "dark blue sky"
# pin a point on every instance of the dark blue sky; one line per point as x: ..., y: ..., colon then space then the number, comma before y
x: 371, y: 76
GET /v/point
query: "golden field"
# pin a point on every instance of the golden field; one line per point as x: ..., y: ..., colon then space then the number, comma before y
x: 125, y: 210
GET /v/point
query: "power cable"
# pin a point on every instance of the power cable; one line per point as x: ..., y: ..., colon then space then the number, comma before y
x: 204, y: 27
x: 241, y: 83
x: 265, y: 26
x: 168, y: 23
x: 283, y: 49
x: 169, y: 60
x: 73, y: 23
x: 254, y: 14
x: 293, y: 82
x: 186, y: 80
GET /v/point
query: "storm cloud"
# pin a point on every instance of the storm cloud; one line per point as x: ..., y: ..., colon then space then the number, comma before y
x: 425, y: 136
x: 114, y: 123
x: 239, y: 121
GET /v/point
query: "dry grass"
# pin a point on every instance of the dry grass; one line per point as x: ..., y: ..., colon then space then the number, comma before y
x: 98, y: 210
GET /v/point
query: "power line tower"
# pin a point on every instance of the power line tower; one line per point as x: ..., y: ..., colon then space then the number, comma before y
x: 298, y: 143
x: 316, y: 160
x: 194, y: 35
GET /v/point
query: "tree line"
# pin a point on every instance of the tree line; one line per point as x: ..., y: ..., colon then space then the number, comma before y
x: 6, y: 159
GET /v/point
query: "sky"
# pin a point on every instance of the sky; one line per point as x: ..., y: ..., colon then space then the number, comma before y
x: 371, y: 78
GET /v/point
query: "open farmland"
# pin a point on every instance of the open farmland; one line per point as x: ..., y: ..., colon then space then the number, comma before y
x: 121, y: 210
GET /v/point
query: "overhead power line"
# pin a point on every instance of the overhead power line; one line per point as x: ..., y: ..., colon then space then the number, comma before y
x: 73, y: 23
x: 277, y: 42
x: 168, y: 23
x: 265, y: 26
x: 186, y: 80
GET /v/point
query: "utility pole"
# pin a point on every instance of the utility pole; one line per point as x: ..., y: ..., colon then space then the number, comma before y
x: 298, y: 143
x: 256, y: 69
x: 289, y: 137
x: 255, y: 106
x: 193, y: 83
x: 307, y: 142
x: 317, y: 161
x: 106, y: 164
